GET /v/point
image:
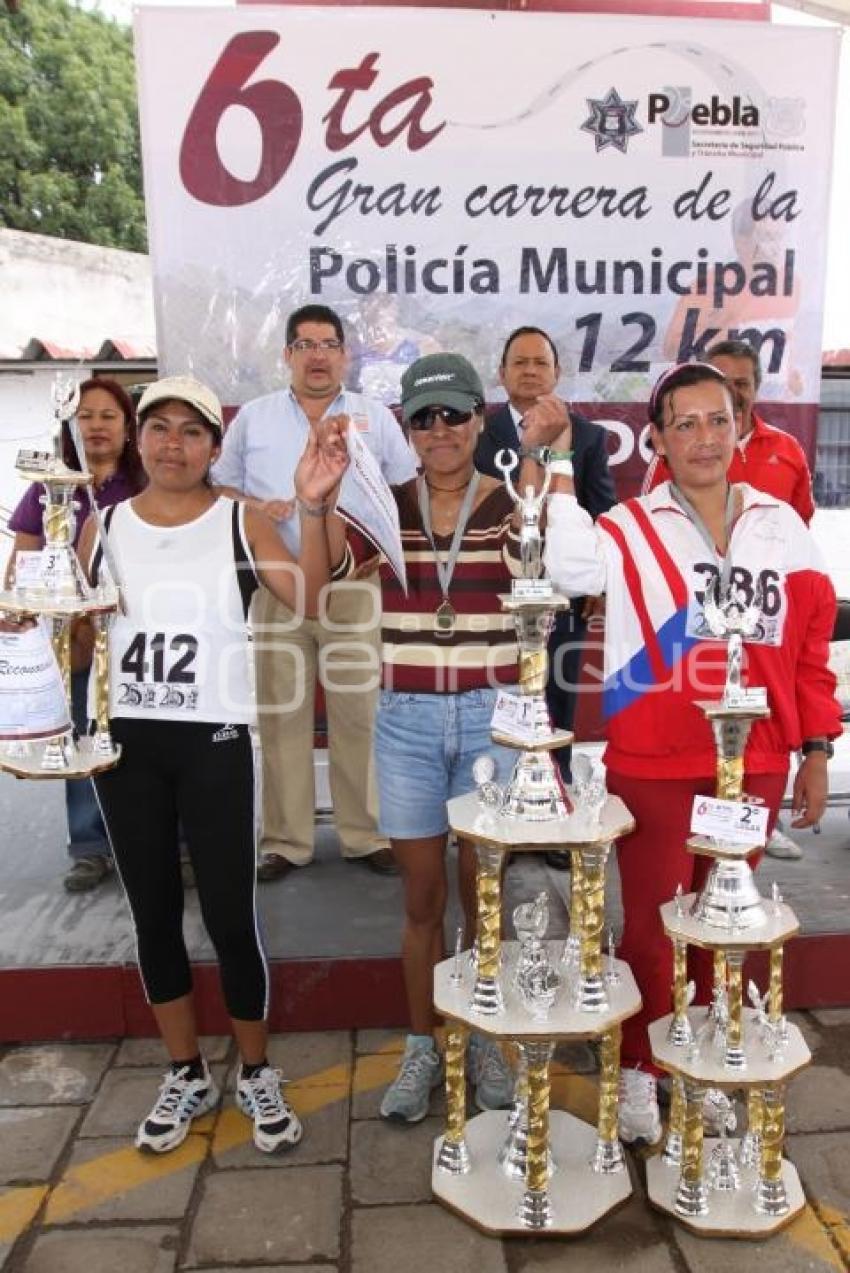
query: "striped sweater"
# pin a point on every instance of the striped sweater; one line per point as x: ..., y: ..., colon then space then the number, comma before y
x: 481, y: 650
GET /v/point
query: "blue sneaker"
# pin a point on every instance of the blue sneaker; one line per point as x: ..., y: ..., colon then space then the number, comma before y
x: 490, y: 1074
x: 407, y: 1098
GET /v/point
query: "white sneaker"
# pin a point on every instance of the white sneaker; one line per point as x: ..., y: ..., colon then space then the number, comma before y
x: 639, y: 1119
x: 781, y: 845
x: 180, y: 1100
x: 276, y: 1125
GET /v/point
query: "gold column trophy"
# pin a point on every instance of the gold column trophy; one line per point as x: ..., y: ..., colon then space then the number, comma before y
x: 50, y: 585
x: 728, y: 1187
x: 531, y: 1169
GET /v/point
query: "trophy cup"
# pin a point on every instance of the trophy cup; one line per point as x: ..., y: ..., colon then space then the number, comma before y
x: 56, y: 589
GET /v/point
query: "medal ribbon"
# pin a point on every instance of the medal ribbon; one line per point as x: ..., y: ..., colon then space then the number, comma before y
x: 445, y: 569
x: 724, y: 563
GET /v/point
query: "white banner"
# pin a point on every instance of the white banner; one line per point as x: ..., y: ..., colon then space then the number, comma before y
x: 639, y: 187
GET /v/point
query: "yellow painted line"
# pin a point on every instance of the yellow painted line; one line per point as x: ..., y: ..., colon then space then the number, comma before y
x: 807, y: 1233
x: 838, y: 1227
x: 90, y: 1183
x: 93, y: 1182
x: 17, y: 1208
x: 101, y: 1178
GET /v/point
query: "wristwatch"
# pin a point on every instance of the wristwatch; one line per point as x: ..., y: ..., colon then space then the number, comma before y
x: 818, y: 744
x: 542, y: 454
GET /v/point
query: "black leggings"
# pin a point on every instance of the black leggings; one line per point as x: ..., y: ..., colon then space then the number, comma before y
x: 200, y: 776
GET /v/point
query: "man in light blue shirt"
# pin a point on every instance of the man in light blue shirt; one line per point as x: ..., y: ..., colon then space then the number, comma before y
x: 261, y: 449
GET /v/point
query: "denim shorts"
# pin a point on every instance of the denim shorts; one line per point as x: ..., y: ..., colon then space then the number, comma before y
x: 425, y: 747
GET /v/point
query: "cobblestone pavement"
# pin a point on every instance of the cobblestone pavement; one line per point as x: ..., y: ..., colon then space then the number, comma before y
x: 354, y: 1196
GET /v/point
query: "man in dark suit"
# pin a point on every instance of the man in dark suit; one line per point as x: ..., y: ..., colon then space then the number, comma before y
x: 529, y: 372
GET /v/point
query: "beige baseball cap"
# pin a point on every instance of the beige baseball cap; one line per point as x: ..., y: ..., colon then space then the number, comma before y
x: 184, y: 389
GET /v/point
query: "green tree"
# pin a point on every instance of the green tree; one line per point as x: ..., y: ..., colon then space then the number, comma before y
x: 69, y: 131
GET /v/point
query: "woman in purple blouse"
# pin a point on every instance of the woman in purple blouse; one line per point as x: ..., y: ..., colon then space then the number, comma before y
x: 107, y: 423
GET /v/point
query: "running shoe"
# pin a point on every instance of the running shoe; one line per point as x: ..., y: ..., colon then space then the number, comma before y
x: 180, y: 1100
x: 407, y: 1098
x: 639, y: 1119
x: 490, y: 1074
x: 276, y: 1125
x: 781, y: 845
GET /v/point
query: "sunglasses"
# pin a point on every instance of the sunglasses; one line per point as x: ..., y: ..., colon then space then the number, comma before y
x: 428, y: 416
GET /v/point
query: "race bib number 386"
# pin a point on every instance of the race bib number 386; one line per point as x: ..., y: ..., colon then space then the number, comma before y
x: 159, y: 671
x: 765, y: 588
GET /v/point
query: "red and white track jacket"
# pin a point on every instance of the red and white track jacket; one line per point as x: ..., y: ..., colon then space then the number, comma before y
x: 654, y: 565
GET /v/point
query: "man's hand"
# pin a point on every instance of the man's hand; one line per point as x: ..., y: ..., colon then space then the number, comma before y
x: 594, y: 607
x: 547, y: 422
x: 279, y: 510
x: 331, y: 434
x: 811, y: 788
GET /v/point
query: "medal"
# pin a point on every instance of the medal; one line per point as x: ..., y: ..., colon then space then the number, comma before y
x: 445, y: 619
x: 445, y: 615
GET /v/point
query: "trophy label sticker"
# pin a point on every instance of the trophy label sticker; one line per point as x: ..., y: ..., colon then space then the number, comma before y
x: 531, y: 589
x: 28, y: 568
x: 514, y: 715
x: 733, y: 820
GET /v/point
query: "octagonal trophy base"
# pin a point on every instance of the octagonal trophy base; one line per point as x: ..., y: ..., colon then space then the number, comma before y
x: 85, y: 757
x: 487, y: 1198
x: 730, y: 1214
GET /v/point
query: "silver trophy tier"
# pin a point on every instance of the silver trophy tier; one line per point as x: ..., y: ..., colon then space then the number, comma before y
x: 536, y: 980
x: 733, y: 621
x: 535, y: 792
x: 54, y: 587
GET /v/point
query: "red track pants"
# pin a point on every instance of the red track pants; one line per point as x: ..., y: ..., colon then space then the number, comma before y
x: 653, y: 860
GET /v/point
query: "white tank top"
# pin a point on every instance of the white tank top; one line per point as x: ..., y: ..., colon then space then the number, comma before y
x: 181, y: 651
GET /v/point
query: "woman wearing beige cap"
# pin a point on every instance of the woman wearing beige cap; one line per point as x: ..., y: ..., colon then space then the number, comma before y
x: 187, y: 562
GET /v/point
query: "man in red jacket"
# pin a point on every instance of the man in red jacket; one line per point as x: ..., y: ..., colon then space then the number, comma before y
x: 767, y: 458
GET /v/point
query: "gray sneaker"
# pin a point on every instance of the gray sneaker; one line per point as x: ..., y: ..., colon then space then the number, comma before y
x: 489, y: 1073
x: 407, y: 1098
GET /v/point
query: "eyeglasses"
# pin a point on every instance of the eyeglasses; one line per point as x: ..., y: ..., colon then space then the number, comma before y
x: 428, y: 416
x: 310, y: 346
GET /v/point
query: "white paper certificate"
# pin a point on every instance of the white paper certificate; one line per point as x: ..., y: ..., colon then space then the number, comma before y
x: 366, y: 502
x: 32, y: 694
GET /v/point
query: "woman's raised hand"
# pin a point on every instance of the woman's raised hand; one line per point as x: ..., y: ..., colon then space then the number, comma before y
x: 547, y: 423
x: 323, y: 462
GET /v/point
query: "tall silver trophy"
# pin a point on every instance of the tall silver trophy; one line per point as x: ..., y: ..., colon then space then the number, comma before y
x: 51, y: 584
x: 535, y: 792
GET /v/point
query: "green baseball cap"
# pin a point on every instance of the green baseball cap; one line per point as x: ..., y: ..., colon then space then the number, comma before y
x: 440, y: 380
